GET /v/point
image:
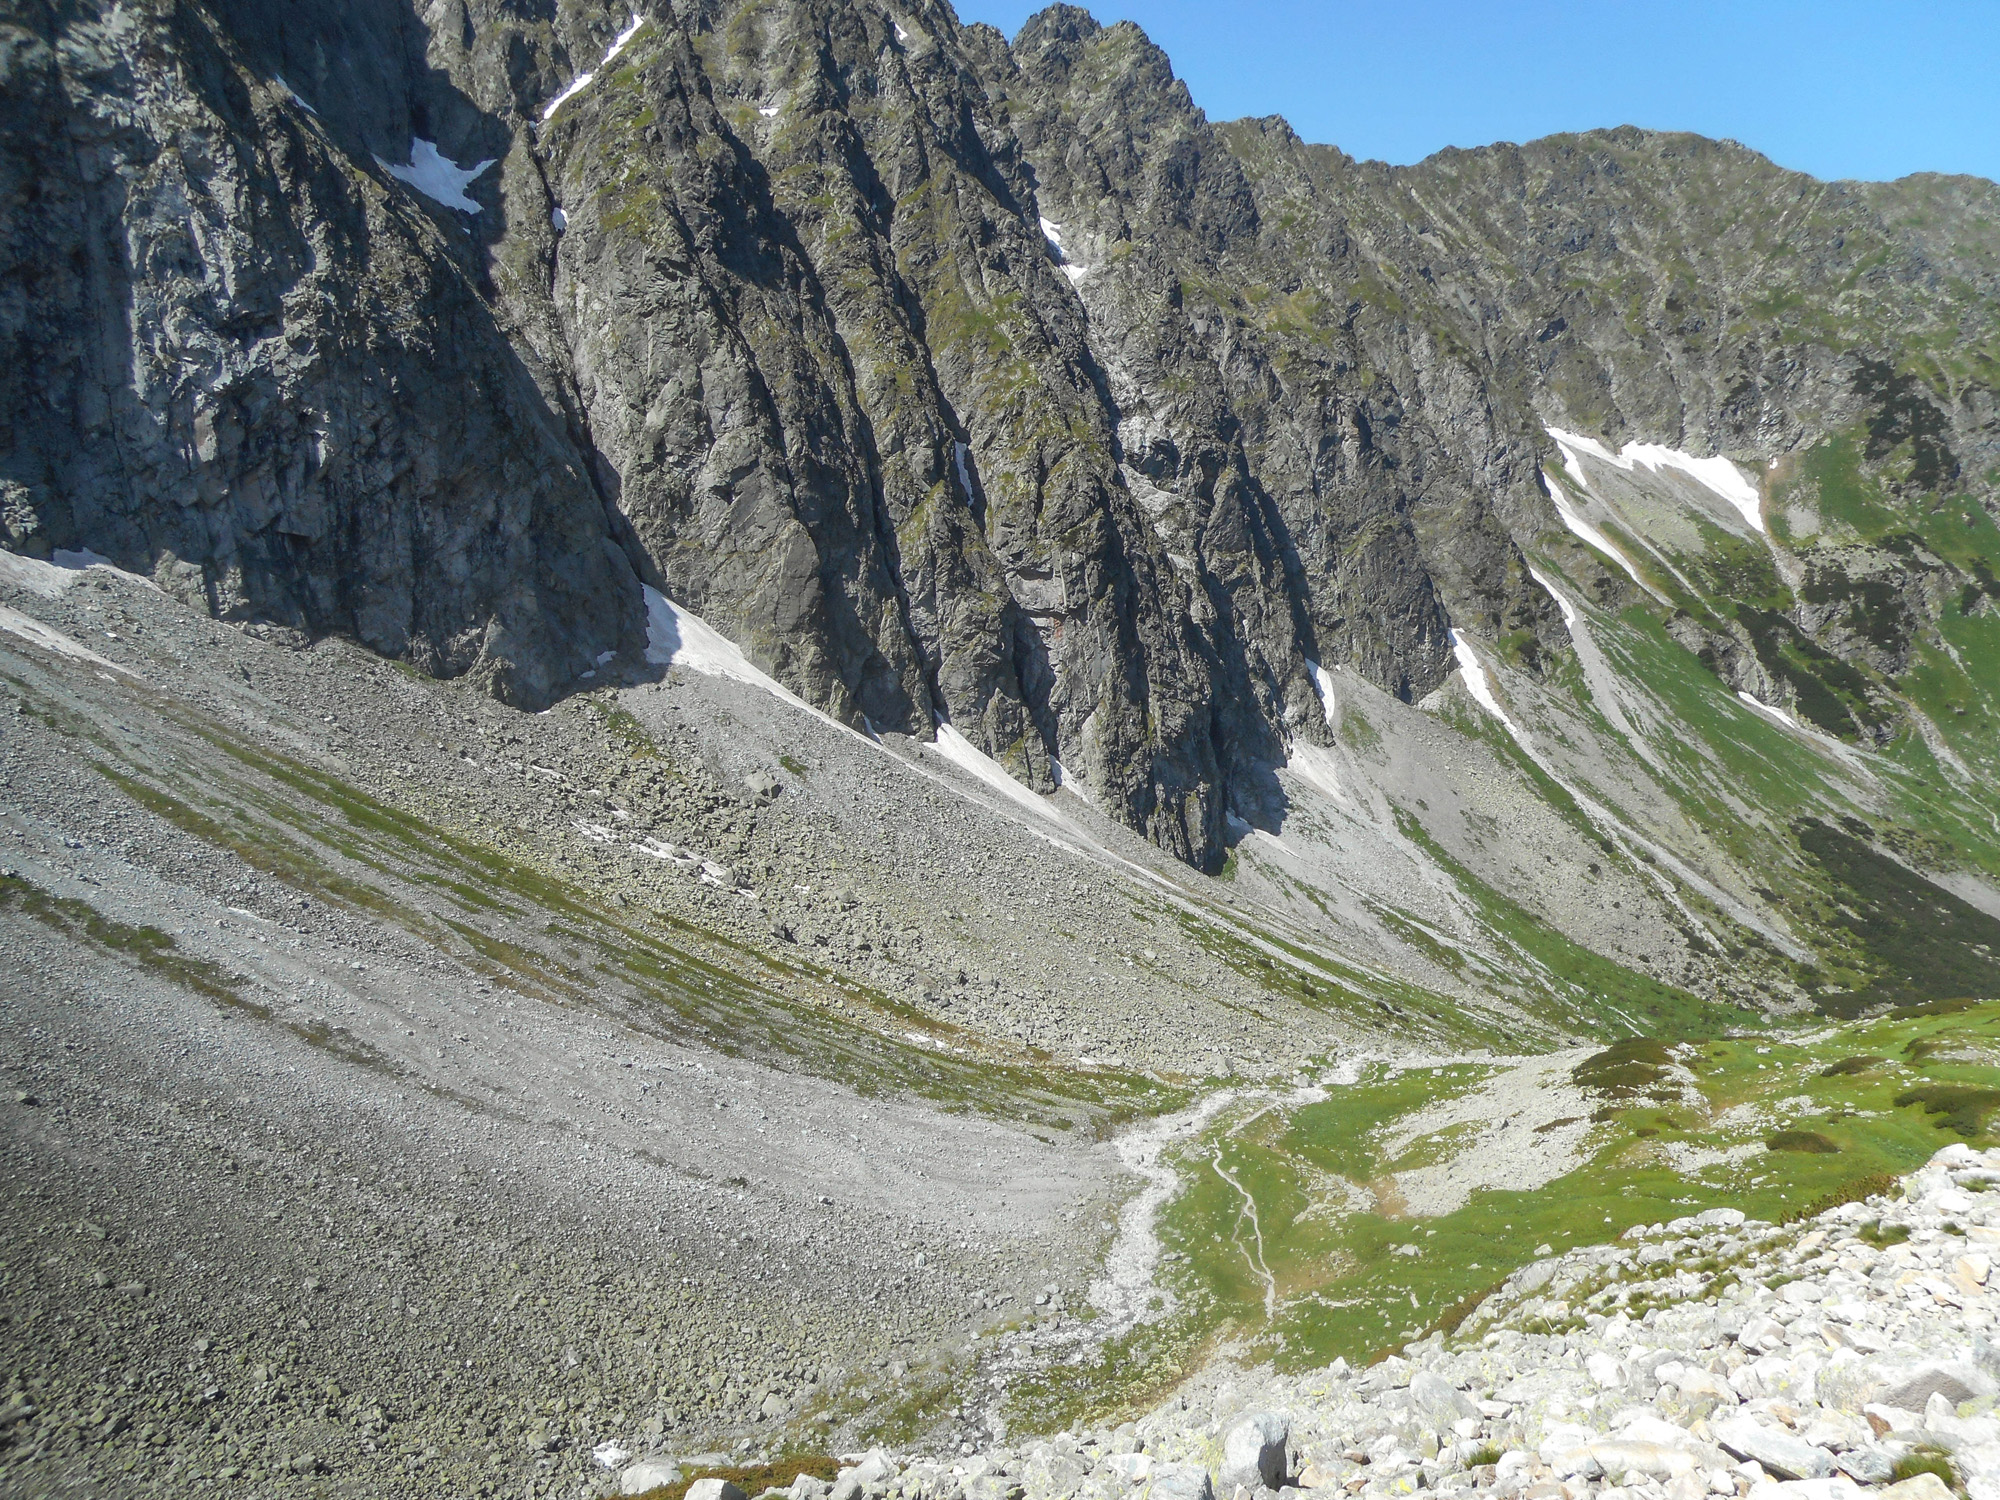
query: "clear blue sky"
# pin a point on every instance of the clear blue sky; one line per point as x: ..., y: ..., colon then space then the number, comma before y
x: 1838, y: 88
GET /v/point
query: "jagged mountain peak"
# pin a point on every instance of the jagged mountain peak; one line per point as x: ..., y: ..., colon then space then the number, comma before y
x: 969, y: 381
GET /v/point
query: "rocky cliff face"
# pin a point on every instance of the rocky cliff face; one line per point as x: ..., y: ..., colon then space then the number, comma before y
x: 955, y: 380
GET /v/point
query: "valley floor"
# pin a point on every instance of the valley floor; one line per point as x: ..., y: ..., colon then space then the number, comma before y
x: 405, y: 1094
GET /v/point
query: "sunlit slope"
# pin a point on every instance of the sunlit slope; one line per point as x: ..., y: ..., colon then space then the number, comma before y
x: 1759, y: 778
x: 1395, y: 1202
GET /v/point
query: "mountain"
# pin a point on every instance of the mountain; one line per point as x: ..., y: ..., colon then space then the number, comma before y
x: 718, y: 663
x: 803, y: 355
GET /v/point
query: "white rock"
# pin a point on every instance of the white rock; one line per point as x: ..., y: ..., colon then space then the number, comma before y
x: 1762, y: 1334
x: 1778, y: 1452
x: 647, y: 1474
x: 1133, y: 1468
x: 1607, y: 1371
x: 1886, y: 1418
x: 1923, y: 1487
x: 1648, y: 1427
x: 1440, y: 1400
x: 1697, y: 1383
x: 1953, y: 1381
x: 1838, y: 1487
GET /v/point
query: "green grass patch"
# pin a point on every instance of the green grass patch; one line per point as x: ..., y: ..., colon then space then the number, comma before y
x: 1625, y: 1067
x: 149, y: 947
x: 1810, y: 1142
x: 754, y: 1479
x: 1961, y: 1109
x: 1356, y: 1272
x: 1933, y: 1461
x: 1922, y: 942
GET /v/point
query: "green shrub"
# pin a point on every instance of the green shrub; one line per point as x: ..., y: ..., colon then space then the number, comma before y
x: 1849, y: 1065
x: 1965, y: 1109
x: 1809, y: 1141
x: 1882, y: 1235
x: 1926, y: 1461
x: 1624, y: 1067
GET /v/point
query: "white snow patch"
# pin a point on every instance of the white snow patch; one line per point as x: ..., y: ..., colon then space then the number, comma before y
x: 676, y: 637
x: 1718, y: 474
x: 50, y: 578
x: 1063, y: 779
x: 1574, y: 520
x: 1323, y: 680
x: 32, y: 574
x: 558, y: 218
x: 436, y: 176
x: 1477, y: 683
x: 1765, y: 708
x: 293, y: 93
x: 50, y: 639
x: 609, y: 1454
x: 768, y: 111
x: 1052, y: 232
x: 962, y: 753
x: 1075, y: 273
x: 583, y: 80
x: 1318, y: 769
x: 1562, y: 600
x: 901, y: 35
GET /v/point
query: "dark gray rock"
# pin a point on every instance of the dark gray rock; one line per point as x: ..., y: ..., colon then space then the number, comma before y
x: 765, y: 317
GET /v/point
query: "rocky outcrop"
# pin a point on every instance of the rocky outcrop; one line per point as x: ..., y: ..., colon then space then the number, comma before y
x: 239, y: 358
x: 953, y: 379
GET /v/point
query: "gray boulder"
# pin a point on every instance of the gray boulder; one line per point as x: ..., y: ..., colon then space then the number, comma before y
x: 1780, y: 1453
x: 1956, y: 1383
x: 1180, y: 1482
x: 1440, y: 1402
x: 1253, y: 1452
x: 714, y: 1489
